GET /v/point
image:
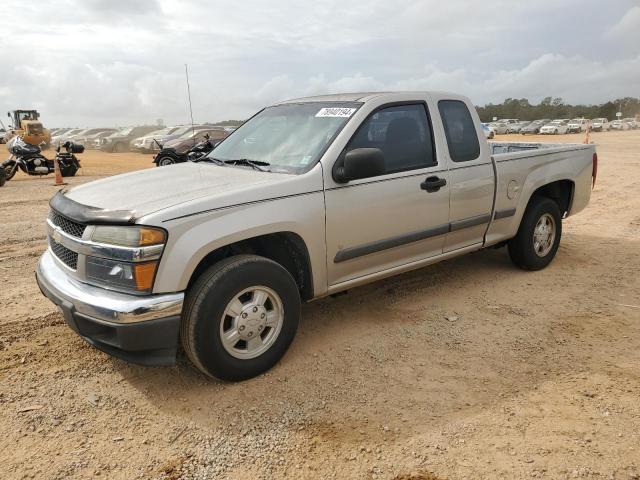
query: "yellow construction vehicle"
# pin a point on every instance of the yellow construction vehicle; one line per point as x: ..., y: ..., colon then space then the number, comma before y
x: 26, y: 124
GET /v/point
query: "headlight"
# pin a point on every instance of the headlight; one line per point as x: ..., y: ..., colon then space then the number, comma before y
x: 128, y: 236
x: 134, y: 243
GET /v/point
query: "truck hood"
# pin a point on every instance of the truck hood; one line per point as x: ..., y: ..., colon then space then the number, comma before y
x: 147, y: 191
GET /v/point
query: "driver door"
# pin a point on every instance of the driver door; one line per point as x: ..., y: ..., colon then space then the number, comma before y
x: 378, y: 223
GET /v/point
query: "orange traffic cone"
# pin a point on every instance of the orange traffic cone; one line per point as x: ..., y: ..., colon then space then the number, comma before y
x: 56, y: 169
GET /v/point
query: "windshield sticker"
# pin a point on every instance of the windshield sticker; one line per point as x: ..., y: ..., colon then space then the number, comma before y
x: 335, y: 112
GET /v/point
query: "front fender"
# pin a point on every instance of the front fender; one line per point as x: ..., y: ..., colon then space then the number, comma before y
x: 193, y: 238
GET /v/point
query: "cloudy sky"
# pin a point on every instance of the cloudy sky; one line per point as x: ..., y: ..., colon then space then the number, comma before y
x: 121, y: 62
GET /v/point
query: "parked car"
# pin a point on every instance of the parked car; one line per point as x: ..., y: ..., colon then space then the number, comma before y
x: 119, y: 141
x: 189, y: 139
x: 90, y: 140
x: 3, y: 132
x: 488, y: 133
x: 61, y: 138
x: 534, y: 127
x: 508, y: 120
x: 149, y: 142
x: 619, y: 125
x: 499, y: 128
x: 219, y: 254
x: 555, y: 127
x: 517, y: 127
x: 632, y: 122
x: 600, y: 125
x: 578, y: 125
x: 88, y: 136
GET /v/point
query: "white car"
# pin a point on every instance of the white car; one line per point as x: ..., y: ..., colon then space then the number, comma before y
x: 578, y: 125
x: 499, y: 128
x: 488, y: 133
x: 600, y: 125
x: 632, y: 122
x: 517, y: 127
x: 556, y: 127
x: 620, y: 125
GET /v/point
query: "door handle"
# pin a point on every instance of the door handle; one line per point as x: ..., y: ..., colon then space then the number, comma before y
x: 433, y: 184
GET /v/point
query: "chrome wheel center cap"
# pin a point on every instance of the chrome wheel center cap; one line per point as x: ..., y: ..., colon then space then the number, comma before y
x: 251, y: 321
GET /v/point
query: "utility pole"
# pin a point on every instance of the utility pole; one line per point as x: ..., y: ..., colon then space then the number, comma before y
x: 186, y: 72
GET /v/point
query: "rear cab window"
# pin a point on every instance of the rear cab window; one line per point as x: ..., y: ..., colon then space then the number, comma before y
x: 459, y: 130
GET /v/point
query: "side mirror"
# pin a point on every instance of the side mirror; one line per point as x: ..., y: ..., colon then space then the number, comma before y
x: 360, y: 163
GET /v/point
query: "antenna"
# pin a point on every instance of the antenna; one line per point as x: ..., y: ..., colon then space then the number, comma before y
x: 186, y: 72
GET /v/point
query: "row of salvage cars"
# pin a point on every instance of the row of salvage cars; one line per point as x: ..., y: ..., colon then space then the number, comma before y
x: 144, y: 139
x: 559, y: 126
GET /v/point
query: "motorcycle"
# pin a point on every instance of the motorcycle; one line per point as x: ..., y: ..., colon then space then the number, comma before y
x: 30, y: 160
x: 169, y: 156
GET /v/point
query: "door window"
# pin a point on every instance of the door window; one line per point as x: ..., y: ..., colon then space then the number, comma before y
x: 403, y: 133
x: 459, y: 130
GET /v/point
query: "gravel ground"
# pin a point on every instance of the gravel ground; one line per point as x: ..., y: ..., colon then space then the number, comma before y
x: 467, y: 369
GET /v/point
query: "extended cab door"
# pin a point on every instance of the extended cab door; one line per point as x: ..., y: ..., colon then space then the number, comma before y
x: 471, y: 173
x: 398, y: 217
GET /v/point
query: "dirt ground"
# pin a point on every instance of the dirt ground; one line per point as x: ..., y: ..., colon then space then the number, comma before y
x: 467, y: 369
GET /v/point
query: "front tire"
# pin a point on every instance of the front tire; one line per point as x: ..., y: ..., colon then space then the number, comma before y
x: 10, y: 170
x: 536, y: 243
x: 240, y: 317
x: 165, y: 161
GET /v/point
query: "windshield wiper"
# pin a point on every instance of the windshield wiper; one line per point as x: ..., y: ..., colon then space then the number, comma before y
x: 255, y: 164
x: 207, y: 158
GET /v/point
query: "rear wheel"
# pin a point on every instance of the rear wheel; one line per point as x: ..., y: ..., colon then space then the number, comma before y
x: 536, y: 243
x: 69, y: 170
x: 240, y: 317
x: 119, y: 148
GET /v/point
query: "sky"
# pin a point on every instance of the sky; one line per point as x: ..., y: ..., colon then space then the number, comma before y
x: 91, y: 63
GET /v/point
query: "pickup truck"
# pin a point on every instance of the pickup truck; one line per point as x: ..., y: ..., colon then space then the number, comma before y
x: 308, y: 198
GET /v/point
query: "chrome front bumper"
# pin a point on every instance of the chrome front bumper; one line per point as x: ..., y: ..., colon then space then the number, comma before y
x: 139, y: 329
x: 103, y: 304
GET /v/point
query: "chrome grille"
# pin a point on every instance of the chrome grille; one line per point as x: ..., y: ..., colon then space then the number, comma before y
x: 66, y: 256
x: 72, y: 228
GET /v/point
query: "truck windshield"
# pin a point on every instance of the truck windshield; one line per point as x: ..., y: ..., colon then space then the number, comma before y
x: 289, y: 138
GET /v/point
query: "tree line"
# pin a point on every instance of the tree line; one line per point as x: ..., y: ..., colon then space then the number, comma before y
x: 551, y: 107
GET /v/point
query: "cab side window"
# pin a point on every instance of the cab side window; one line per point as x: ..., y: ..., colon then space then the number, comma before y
x: 403, y: 133
x: 459, y: 130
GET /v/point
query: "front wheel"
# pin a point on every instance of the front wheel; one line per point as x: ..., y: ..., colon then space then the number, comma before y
x: 164, y: 161
x: 240, y: 317
x: 536, y: 243
x: 10, y: 169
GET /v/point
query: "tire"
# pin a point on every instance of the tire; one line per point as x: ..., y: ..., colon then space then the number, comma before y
x: 10, y: 171
x: 522, y: 248
x: 3, y: 177
x: 119, y: 148
x: 165, y: 161
x: 207, y: 317
x: 69, y: 170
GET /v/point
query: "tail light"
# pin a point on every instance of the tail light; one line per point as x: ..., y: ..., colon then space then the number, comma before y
x: 594, y: 170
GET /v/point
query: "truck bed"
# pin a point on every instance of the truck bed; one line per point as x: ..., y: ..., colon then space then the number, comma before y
x: 521, y: 168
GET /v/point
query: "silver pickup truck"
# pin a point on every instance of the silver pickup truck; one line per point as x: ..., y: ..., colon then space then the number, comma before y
x: 308, y: 198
